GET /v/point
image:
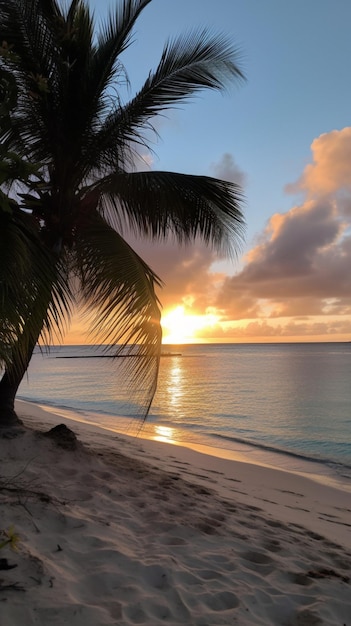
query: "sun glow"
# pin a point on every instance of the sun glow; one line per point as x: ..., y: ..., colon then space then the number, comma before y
x: 164, y: 433
x: 180, y: 327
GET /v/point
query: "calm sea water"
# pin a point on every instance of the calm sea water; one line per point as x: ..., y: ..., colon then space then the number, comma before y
x: 291, y: 401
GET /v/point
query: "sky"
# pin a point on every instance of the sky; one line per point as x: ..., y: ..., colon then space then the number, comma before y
x: 285, y: 136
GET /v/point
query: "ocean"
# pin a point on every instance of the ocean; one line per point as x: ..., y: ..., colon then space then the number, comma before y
x: 284, y: 405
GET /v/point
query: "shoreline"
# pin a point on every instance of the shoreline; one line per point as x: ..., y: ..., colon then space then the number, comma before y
x: 319, y: 471
x: 122, y: 530
x: 264, y: 481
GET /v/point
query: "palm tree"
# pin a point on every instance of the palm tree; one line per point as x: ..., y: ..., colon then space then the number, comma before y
x: 24, y: 261
x: 67, y: 220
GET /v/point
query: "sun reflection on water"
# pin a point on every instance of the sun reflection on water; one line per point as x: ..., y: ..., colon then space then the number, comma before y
x: 173, y: 395
x: 175, y: 387
x: 164, y: 433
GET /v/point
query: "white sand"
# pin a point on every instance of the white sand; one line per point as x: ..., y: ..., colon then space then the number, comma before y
x: 127, y: 531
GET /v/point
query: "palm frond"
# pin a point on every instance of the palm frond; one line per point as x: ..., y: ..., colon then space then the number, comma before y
x: 157, y: 204
x: 51, y: 9
x: 61, y: 303
x: 30, y: 37
x: 34, y: 60
x: 105, y: 68
x: 114, y: 39
x: 118, y: 291
x: 189, y: 64
x: 54, y: 51
x: 34, y: 291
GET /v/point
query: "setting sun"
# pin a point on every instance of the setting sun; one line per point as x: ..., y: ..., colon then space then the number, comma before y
x: 181, y: 327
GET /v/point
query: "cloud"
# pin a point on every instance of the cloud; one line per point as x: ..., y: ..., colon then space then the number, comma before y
x: 329, y: 173
x: 227, y: 169
x: 185, y: 271
x: 301, y: 265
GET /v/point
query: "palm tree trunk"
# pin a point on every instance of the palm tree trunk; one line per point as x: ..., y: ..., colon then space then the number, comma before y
x: 8, y: 390
x: 22, y: 351
x: 20, y: 358
x: 10, y: 382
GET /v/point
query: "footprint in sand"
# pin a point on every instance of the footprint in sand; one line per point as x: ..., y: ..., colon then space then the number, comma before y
x: 256, y: 557
x: 222, y: 601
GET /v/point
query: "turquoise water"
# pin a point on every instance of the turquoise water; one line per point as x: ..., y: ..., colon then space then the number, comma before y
x: 290, y: 399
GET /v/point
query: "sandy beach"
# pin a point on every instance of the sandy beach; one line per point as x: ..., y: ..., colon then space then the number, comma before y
x: 120, y: 530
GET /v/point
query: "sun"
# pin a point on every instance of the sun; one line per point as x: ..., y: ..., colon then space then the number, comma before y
x: 180, y: 327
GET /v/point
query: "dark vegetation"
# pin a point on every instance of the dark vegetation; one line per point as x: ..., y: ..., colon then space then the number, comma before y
x: 69, y: 189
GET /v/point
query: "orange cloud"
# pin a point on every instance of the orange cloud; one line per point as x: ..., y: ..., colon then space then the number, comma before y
x: 301, y: 265
x: 329, y: 173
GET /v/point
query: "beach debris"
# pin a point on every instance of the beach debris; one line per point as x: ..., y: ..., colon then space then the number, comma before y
x: 63, y: 437
x: 5, y: 565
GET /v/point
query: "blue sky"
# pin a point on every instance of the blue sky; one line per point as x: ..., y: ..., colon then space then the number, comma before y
x: 296, y: 58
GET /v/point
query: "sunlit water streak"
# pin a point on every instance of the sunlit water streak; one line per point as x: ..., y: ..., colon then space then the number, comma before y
x: 288, y: 399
